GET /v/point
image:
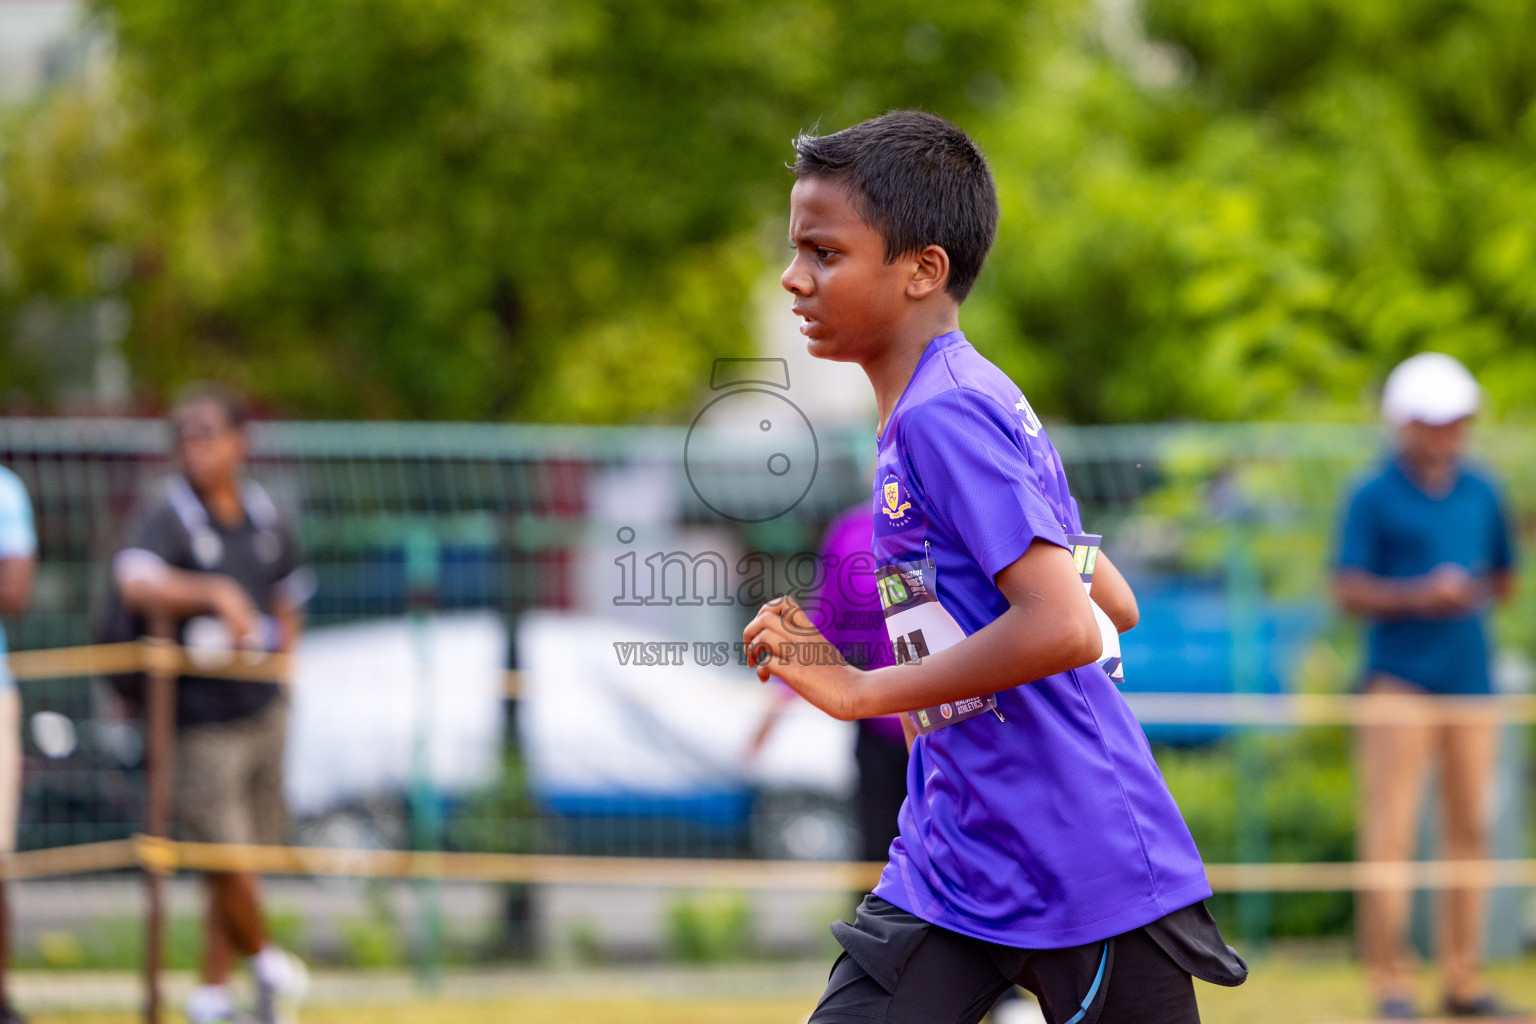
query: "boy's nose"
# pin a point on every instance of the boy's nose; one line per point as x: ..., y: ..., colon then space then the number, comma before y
x: 794, y: 280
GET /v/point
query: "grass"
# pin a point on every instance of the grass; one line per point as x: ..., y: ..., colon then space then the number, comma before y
x: 537, y: 1011
x: 1284, y: 989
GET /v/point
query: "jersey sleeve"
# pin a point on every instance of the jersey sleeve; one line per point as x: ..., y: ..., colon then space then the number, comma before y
x: 976, y: 479
x: 18, y: 539
x: 159, y: 542
x: 1359, y: 536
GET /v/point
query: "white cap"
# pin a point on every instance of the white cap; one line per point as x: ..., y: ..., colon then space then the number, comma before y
x: 1431, y: 388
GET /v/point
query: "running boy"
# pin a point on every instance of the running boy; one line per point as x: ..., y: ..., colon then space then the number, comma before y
x: 1039, y: 844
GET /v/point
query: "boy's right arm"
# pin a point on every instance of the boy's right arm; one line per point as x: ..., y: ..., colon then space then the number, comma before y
x: 150, y: 581
x: 1447, y: 590
x: 181, y: 594
x: 1049, y: 627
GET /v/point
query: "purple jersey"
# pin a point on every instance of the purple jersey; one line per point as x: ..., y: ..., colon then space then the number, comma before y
x: 1051, y: 827
x: 849, y: 608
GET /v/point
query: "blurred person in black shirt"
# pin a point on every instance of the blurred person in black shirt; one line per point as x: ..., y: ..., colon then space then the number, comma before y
x: 214, y: 560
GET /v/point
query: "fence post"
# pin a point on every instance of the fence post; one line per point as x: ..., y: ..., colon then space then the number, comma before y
x: 422, y: 568
x: 1244, y: 608
x: 159, y: 774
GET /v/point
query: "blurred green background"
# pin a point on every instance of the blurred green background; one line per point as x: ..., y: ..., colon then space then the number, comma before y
x: 538, y: 210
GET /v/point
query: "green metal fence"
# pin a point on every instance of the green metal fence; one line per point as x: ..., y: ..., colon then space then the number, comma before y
x: 502, y: 519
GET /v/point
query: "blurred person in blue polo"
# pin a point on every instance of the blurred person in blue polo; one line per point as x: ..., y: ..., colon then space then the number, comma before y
x: 213, y: 557
x: 18, y: 564
x: 1425, y: 550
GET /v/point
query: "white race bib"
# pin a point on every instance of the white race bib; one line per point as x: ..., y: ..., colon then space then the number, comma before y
x: 1085, y: 553
x: 919, y: 626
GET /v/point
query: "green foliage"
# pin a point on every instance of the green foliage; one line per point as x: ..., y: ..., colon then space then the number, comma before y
x: 117, y: 943
x: 405, y: 209
x: 1330, y: 186
x: 710, y: 928
x: 377, y: 939
x: 1307, y: 805
x: 560, y: 211
x: 502, y: 818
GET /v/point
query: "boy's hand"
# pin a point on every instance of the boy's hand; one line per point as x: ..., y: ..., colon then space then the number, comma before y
x: 1450, y: 590
x: 231, y: 604
x: 781, y: 640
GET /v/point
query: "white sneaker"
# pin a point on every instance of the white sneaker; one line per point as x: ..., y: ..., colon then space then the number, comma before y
x: 1018, y: 1011
x: 282, y: 981
x: 213, y: 1004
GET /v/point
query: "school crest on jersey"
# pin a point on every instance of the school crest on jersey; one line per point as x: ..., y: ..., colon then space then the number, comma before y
x: 895, y: 503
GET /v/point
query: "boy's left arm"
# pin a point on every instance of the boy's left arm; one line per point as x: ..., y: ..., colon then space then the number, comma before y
x: 1114, y: 595
x: 1048, y: 628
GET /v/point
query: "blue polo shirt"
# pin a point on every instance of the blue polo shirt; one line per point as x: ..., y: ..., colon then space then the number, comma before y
x: 17, y: 540
x: 1395, y: 530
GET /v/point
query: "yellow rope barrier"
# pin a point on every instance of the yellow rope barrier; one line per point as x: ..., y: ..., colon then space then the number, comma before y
x: 69, y: 860
x: 1159, y: 708
x: 530, y: 868
x: 144, y: 656
x: 696, y: 873
x: 61, y: 662
x: 150, y: 655
x: 1326, y: 708
x: 164, y: 856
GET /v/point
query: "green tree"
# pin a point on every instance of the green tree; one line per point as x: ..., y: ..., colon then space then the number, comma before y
x: 1313, y: 190
x: 452, y: 208
x: 1215, y: 209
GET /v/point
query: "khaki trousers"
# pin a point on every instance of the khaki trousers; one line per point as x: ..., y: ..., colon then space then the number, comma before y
x: 10, y: 767
x: 1395, y: 756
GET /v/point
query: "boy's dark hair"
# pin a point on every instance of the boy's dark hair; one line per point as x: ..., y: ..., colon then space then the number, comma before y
x: 918, y: 180
x: 228, y: 400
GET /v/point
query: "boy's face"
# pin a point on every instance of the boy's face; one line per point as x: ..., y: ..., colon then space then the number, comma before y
x: 212, y: 449
x: 1435, y: 448
x: 852, y: 301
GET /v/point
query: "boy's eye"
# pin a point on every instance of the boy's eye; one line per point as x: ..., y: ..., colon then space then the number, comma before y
x: 823, y: 253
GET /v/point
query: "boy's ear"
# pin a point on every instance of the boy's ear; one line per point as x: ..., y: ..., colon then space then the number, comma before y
x: 930, y: 272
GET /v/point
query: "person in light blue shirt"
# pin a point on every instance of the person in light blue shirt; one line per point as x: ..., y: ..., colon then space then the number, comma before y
x: 18, y: 560
x: 1424, y: 550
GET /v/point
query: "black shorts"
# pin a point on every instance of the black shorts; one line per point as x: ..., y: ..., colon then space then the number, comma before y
x: 898, y: 969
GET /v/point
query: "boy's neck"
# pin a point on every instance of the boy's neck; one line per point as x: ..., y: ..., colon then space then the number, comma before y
x: 223, y: 501
x: 891, y: 369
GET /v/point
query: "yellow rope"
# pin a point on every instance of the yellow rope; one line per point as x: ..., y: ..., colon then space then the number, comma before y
x: 1161, y: 708
x: 69, y: 860
x: 151, y: 655
x: 166, y: 856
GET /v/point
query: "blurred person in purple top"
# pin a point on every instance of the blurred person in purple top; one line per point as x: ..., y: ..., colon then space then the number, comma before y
x: 1038, y: 844
x: 847, y: 610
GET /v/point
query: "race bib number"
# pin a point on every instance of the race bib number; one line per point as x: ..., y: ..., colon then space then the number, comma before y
x: 1085, y: 553
x: 919, y: 626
